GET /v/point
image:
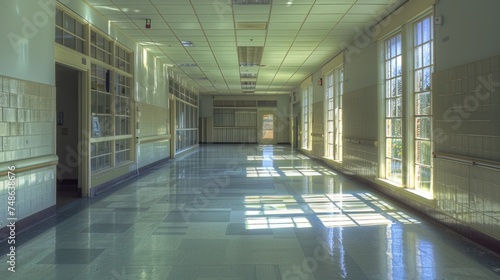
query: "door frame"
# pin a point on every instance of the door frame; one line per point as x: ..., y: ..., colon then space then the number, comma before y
x: 260, y: 115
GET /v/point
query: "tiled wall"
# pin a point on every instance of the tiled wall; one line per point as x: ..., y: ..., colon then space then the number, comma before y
x: 317, y: 124
x: 35, y: 191
x: 466, y: 105
x: 467, y: 123
x: 27, y: 119
x: 153, y: 122
x: 27, y: 131
x: 153, y: 151
x: 360, y: 158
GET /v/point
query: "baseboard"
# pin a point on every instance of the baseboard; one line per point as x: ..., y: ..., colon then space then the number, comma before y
x: 28, y: 222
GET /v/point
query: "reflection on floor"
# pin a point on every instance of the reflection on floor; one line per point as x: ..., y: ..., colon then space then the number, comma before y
x: 244, y: 212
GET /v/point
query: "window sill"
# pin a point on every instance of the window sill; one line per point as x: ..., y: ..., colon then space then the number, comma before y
x: 418, y: 196
x: 389, y: 183
x: 331, y: 159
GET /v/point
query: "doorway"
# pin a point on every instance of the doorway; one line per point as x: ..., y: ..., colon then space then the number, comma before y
x: 267, y: 127
x: 68, y: 134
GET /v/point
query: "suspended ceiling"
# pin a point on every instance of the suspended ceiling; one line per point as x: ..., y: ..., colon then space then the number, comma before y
x: 240, y: 47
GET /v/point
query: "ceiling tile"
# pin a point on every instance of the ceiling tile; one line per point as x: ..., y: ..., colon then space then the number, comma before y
x: 330, y: 9
x: 184, y: 25
x: 251, y: 9
x: 290, y: 9
x: 288, y: 18
x: 251, y: 18
x: 301, y: 36
x: 175, y: 9
x: 108, y: 10
x: 213, y: 9
x: 138, y: 9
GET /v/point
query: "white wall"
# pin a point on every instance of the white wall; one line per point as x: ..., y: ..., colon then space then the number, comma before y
x: 469, y: 31
x: 27, y: 40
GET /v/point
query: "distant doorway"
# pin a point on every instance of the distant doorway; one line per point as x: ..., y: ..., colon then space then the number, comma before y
x: 267, y: 127
x: 68, y: 134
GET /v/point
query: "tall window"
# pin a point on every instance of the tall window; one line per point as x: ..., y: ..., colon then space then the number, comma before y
x: 394, y: 109
x: 339, y: 88
x: 333, y: 95
x: 69, y: 31
x: 330, y: 112
x: 305, y: 119
x: 111, y: 103
x: 422, y: 69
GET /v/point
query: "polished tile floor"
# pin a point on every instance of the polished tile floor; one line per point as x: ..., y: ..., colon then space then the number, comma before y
x: 243, y: 212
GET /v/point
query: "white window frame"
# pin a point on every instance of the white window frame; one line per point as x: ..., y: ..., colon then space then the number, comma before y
x: 411, y: 155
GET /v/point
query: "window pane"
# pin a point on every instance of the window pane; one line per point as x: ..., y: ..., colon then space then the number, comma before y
x: 69, y: 40
x: 423, y: 152
x: 394, y: 127
x: 388, y: 108
x: 426, y: 49
x: 423, y: 127
x: 393, y: 88
x: 398, y: 45
x: 426, y: 27
x: 69, y: 23
x: 394, y: 170
x: 394, y: 148
x: 399, y: 107
x: 419, y: 83
x: 59, y: 17
x: 388, y: 88
x: 399, y: 86
x: 423, y: 103
x: 418, y: 33
x: 423, y: 178
x: 418, y: 57
x: 427, y: 79
x: 79, y: 29
x: 59, y: 36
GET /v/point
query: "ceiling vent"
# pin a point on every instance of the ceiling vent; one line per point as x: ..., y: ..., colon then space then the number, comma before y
x: 251, y: 25
x: 252, y: 2
x: 250, y: 56
x: 248, y: 85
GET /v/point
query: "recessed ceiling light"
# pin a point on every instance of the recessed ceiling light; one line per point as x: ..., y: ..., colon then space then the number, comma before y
x: 187, y: 43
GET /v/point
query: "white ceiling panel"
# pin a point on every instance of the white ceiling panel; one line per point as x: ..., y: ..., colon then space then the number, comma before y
x: 251, y: 18
x: 330, y: 9
x: 288, y: 18
x: 251, y: 9
x: 290, y: 9
x: 301, y: 36
x: 213, y: 9
x: 175, y: 9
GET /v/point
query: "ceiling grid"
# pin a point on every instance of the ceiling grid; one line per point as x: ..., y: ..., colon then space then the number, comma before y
x: 203, y: 39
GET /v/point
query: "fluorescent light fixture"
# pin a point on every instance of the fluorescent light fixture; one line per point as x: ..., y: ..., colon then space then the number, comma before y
x: 187, y: 43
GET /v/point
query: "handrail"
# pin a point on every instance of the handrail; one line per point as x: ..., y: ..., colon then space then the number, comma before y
x: 468, y: 160
x: 361, y: 141
x: 28, y: 164
x: 151, y: 139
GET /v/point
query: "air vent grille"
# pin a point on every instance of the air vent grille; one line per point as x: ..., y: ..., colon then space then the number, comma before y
x: 250, y: 56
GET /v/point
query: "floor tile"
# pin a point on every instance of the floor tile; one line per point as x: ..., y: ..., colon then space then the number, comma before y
x: 217, y: 214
